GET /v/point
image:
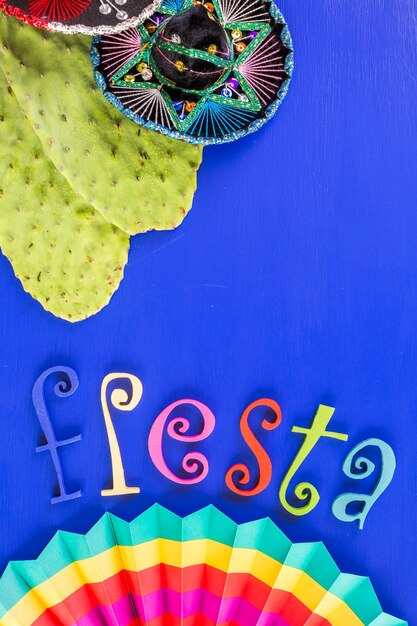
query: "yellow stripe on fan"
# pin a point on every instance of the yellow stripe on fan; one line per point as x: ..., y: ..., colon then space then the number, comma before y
x: 98, y: 568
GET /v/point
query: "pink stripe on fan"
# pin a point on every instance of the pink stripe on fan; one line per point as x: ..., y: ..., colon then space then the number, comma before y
x: 165, y: 601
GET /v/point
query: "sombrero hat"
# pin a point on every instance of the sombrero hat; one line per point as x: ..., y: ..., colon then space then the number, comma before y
x: 205, y: 72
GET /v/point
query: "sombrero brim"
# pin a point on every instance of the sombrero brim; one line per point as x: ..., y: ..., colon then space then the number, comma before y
x: 90, y: 17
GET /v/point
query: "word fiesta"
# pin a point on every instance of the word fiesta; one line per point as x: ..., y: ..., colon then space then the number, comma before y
x: 123, y: 391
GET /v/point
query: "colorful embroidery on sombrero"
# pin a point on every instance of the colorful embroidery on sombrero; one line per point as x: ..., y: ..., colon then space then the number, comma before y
x: 91, y: 17
x: 162, y: 567
x: 206, y: 73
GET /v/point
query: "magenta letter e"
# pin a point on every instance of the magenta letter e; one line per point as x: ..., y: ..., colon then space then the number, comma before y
x: 193, y: 461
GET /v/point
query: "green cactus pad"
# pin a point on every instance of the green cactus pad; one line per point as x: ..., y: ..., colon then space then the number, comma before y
x: 137, y: 179
x: 64, y: 253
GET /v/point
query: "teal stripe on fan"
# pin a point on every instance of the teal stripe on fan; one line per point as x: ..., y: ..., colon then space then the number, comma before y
x: 359, y: 594
x: 388, y: 620
x: 209, y: 523
x: 265, y: 536
x: 315, y: 560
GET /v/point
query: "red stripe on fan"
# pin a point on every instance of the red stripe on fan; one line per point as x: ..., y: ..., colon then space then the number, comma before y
x: 153, y: 579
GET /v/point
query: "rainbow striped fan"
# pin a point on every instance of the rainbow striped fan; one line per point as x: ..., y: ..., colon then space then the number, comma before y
x: 205, y: 71
x: 202, y: 570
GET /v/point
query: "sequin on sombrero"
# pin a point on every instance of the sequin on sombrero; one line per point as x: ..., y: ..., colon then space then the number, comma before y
x: 204, y: 72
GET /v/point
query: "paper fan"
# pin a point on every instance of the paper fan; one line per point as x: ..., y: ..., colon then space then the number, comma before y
x: 202, y: 570
x: 92, y: 17
x: 205, y: 71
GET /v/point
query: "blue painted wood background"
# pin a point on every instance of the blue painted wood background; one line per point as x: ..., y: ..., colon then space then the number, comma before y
x: 294, y: 276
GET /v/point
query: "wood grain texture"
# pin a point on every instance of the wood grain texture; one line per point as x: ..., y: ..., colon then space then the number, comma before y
x: 294, y: 277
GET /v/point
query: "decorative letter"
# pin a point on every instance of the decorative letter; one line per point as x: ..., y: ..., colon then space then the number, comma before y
x: 365, y: 467
x: 119, y: 399
x: 264, y: 462
x: 65, y: 387
x: 177, y: 427
x: 305, y: 491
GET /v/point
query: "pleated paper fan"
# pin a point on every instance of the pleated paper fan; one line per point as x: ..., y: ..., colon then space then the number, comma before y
x: 203, y: 570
